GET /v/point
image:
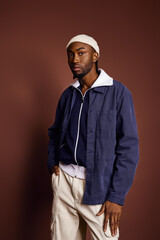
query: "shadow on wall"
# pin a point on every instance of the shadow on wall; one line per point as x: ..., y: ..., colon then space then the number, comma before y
x: 37, y: 195
x: 28, y: 112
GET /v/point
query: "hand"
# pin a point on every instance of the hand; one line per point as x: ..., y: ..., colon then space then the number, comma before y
x: 113, y: 213
x: 55, y: 170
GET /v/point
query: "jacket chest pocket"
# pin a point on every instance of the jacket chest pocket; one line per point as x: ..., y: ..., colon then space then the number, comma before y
x: 106, y: 135
x: 106, y: 124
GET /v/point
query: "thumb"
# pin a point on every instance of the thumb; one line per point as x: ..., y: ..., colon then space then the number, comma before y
x: 101, y: 210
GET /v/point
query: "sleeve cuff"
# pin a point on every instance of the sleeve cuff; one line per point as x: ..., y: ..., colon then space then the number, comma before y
x: 113, y: 197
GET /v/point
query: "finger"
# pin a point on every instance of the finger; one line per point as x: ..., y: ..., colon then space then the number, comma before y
x: 101, y: 210
x: 57, y: 171
x: 105, y: 222
x: 118, y: 220
x: 112, y: 224
x: 115, y: 224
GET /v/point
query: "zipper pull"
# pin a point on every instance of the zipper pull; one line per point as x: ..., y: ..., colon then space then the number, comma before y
x: 82, y: 99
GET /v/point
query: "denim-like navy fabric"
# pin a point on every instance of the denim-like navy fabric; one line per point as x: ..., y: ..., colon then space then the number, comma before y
x: 67, y: 150
x: 111, y: 141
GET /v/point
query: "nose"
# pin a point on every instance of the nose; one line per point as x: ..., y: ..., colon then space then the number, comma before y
x: 75, y: 58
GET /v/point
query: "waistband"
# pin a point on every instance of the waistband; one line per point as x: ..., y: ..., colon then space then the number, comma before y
x: 73, y: 170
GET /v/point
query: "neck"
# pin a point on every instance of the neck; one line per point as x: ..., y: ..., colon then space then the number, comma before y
x: 87, y: 81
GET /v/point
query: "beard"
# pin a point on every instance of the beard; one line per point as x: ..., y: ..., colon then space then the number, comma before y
x: 84, y: 71
x: 79, y: 75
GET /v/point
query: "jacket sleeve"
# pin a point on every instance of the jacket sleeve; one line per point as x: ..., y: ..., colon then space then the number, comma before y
x: 127, y: 149
x: 54, y: 135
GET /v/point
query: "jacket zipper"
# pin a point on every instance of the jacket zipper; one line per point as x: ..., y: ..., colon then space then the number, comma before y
x: 79, y: 119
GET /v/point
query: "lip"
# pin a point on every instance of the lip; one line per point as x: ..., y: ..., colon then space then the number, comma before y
x: 76, y: 68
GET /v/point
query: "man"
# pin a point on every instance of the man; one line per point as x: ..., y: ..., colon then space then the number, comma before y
x: 93, y: 149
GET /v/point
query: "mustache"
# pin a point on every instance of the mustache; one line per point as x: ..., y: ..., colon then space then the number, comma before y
x: 75, y: 65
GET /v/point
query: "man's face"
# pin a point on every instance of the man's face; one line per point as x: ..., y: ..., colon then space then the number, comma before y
x: 80, y: 59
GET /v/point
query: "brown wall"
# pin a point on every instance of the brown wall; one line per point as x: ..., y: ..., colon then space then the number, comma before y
x: 34, y: 73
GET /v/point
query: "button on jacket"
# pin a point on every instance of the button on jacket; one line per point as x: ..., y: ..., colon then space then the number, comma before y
x: 112, y: 139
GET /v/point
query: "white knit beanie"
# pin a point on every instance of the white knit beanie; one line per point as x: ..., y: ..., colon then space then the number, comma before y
x: 85, y: 39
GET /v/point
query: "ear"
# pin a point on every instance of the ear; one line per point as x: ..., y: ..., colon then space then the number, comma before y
x: 95, y: 56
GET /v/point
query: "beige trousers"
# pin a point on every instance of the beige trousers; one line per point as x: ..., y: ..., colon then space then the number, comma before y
x: 70, y: 216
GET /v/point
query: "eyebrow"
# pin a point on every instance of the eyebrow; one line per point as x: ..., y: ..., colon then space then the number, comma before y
x: 76, y: 49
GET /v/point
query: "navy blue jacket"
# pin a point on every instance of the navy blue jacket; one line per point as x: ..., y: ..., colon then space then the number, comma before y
x: 112, y: 141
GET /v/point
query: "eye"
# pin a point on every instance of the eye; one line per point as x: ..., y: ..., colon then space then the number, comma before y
x: 81, y: 53
x: 70, y: 55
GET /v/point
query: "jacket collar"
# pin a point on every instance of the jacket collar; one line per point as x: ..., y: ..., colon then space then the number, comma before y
x: 103, y: 80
